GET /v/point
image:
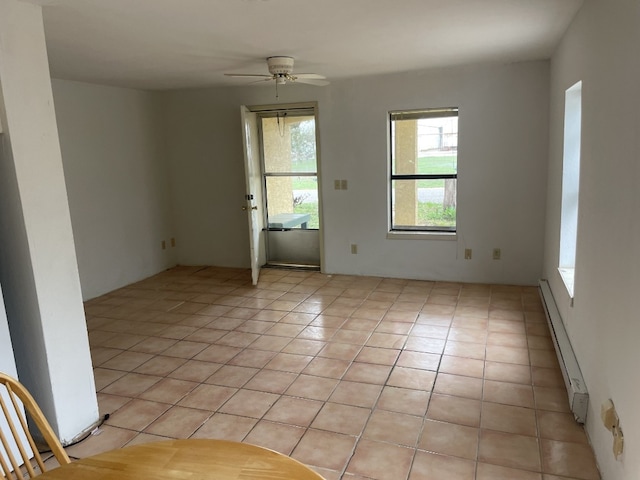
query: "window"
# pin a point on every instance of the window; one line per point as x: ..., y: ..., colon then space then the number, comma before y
x: 570, y: 184
x: 424, y: 170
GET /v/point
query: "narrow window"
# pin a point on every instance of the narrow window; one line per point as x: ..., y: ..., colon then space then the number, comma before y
x: 424, y: 169
x: 570, y: 184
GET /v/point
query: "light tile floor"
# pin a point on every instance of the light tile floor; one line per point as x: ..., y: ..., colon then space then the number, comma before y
x: 358, y: 377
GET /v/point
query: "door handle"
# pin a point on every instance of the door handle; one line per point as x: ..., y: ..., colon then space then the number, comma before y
x: 252, y: 208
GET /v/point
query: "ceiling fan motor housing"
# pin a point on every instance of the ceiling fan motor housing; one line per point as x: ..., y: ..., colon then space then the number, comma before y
x: 280, y: 65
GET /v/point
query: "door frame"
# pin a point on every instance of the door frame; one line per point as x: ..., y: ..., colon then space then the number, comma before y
x: 257, y: 109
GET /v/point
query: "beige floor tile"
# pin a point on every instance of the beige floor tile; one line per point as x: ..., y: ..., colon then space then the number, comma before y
x: 252, y: 358
x: 249, y: 403
x: 381, y: 461
x: 127, y: 361
x: 509, y: 450
x: 500, y: 353
x: 294, y: 411
x: 569, y: 459
x: 195, y: 370
x: 429, y: 465
x: 324, y: 449
x: 160, y: 365
x: 412, y: 378
x: 420, y: 360
x: 272, y: 381
x: 184, y: 349
x: 276, y: 436
x: 449, y: 439
x: 104, y: 377
x: 465, y: 350
x: 317, y: 355
x: 232, y: 376
x: 289, y: 362
x: 554, y: 399
x: 304, y: 346
x: 404, y: 400
x: 458, y: 410
x: 218, y: 353
x: 131, y: 384
x: 508, y: 418
x: 458, y: 386
x: 508, y: 393
x: 314, y: 388
x: 178, y: 422
x: 340, y: 351
x: 169, y: 390
x: 327, y: 367
x: 486, y: 471
x: 507, y: 372
x: 339, y: 418
x: 137, y: 414
x: 110, y: 403
x: 560, y: 426
x: 367, y: 373
x: 356, y: 394
x: 379, y: 356
x: 392, y: 427
x: 106, y: 438
x: 468, y: 367
x: 226, y: 427
x: 207, y: 397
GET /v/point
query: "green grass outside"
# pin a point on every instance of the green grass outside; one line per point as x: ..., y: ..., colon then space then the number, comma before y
x: 426, y: 165
x: 429, y: 214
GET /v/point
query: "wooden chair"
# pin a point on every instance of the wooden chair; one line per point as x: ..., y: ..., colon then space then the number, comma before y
x: 12, y: 397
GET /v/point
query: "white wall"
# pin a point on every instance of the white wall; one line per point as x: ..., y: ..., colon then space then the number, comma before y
x: 38, y: 268
x: 116, y: 174
x: 601, y: 49
x: 502, y: 171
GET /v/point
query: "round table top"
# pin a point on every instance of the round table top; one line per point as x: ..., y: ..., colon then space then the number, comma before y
x: 195, y: 459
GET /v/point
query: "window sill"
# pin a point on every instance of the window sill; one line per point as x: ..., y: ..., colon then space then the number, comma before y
x: 421, y: 235
x: 567, y: 275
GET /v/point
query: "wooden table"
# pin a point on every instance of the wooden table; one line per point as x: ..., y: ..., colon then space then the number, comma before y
x: 195, y: 459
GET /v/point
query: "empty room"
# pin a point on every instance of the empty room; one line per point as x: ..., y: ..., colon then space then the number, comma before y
x: 386, y: 240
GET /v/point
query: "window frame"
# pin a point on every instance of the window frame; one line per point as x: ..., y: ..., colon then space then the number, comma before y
x: 417, y: 114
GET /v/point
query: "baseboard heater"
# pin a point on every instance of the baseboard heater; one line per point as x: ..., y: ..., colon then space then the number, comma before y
x: 576, y: 388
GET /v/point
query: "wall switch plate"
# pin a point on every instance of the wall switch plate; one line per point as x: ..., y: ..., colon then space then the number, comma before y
x: 467, y: 254
x: 354, y: 248
x: 343, y: 184
x: 173, y: 242
x: 496, y: 254
x: 336, y: 184
x: 164, y: 245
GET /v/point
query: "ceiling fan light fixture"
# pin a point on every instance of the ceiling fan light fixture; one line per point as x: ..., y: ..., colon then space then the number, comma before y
x: 280, y: 65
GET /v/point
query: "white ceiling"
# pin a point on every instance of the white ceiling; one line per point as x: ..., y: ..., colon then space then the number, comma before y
x: 165, y: 44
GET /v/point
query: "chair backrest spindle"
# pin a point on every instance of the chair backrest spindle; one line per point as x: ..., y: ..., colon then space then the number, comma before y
x: 19, y: 432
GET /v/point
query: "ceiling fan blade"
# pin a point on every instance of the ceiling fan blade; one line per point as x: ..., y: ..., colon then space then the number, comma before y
x: 248, y: 75
x: 312, y: 81
x: 309, y: 75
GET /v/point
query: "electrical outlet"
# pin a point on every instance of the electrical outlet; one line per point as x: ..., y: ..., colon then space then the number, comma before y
x: 496, y: 254
x: 336, y: 184
x: 467, y: 254
x: 354, y: 248
x: 343, y: 184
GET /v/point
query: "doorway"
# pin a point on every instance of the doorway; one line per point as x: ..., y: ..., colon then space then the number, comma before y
x: 289, y: 201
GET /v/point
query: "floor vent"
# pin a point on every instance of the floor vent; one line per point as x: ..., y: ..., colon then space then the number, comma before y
x: 576, y: 388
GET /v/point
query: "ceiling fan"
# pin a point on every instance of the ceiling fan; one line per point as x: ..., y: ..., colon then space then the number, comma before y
x: 281, y: 71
